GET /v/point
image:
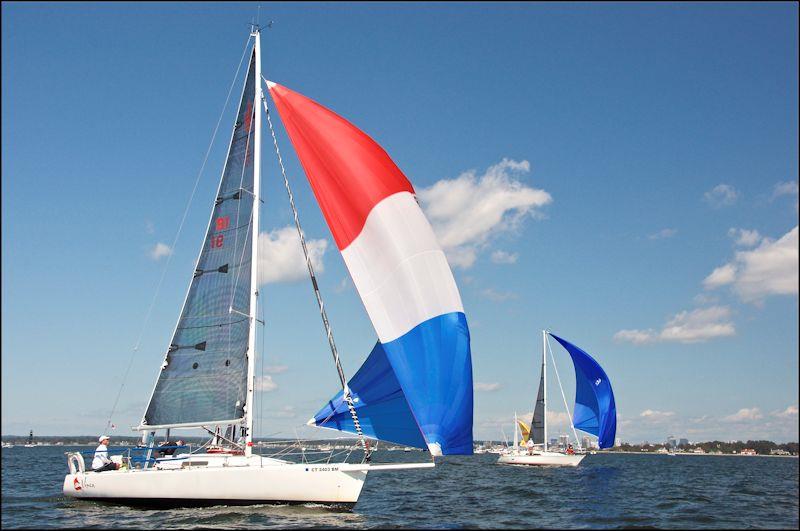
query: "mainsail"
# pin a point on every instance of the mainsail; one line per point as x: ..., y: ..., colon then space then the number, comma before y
x: 595, y: 411
x: 203, y: 379
x: 403, y: 279
x: 537, y: 422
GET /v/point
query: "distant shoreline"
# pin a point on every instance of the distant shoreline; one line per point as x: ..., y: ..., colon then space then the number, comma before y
x: 698, y: 455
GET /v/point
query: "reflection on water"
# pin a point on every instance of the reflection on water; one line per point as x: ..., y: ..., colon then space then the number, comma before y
x: 606, y: 490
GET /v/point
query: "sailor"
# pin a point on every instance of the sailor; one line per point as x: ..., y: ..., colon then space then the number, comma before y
x: 101, y: 462
x: 570, y: 451
x: 529, y: 444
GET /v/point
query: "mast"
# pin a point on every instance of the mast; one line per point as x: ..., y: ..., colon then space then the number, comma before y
x: 251, y: 346
x: 544, y: 382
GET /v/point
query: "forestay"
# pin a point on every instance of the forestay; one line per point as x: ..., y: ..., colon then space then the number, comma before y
x: 204, y: 375
x: 403, y: 279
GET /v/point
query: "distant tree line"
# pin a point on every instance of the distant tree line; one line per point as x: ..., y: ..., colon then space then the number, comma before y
x: 761, y: 447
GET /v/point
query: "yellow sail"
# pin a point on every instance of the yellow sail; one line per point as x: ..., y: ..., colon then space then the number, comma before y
x: 526, y: 432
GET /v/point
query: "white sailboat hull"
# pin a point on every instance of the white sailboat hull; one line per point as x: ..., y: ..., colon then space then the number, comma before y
x: 250, y: 481
x: 541, y: 459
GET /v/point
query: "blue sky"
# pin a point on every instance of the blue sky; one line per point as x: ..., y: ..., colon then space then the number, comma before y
x: 623, y: 174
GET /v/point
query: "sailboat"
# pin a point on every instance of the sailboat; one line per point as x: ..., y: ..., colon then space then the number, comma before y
x: 415, y: 386
x: 595, y: 411
x: 29, y: 443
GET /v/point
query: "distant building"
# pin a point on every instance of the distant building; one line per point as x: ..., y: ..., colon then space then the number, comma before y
x: 586, y: 442
x: 748, y: 451
x: 553, y: 442
x: 563, y: 441
x: 683, y: 442
x: 671, y: 442
x: 618, y: 442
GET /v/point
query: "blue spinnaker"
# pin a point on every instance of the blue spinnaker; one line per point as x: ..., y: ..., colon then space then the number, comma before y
x: 595, y: 410
x: 414, y: 390
x: 383, y: 411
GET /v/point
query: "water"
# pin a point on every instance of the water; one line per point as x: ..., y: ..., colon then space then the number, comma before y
x: 606, y: 490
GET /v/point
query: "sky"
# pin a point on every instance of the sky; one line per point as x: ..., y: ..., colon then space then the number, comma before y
x: 624, y: 175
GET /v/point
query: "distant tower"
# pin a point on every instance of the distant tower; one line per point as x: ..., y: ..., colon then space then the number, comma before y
x: 30, y: 437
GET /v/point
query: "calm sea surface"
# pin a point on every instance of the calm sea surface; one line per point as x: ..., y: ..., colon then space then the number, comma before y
x: 606, y: 490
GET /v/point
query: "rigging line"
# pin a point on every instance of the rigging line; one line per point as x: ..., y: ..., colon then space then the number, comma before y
x: 346, y: 396
x: 569, y: 415
x: 177, y: 235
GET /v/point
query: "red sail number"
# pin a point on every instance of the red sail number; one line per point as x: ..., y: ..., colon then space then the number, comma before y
x: 223, y: 222
x: 216, y: 240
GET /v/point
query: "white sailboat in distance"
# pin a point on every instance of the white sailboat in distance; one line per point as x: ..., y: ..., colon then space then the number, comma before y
x: 415, y: 387
x: 595, y: 412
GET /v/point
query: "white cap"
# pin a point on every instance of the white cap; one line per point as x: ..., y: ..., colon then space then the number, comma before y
x: 103, y: 438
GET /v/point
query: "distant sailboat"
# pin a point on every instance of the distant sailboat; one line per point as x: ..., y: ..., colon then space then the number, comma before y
x: 415, y: 387
x: 30, y: 443
x: 595, y: 412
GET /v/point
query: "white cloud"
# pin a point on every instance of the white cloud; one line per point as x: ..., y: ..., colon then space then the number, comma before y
x: 721, y: 195
x: 785, y: 188
x: 265, y: 383
x: 744, y: 237
x: 787, y: 413
x: 281, y: 256
x: 275, y: 369
x: 663, y: 233
x: 466, y: 212
x: 744, y: 414
x: 502, y: 257
x: 652, y: 415
x: 769, y: 269
x: 693, y: 326
x: 159, y: 251
x: 637, y: 337
x: 487, y: 387
x: 497, y: 296
x: 556, y: 420
x: 720, y: 276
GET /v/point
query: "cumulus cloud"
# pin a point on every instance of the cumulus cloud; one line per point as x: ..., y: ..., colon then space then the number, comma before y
x: 281, y: 256
x: 788, y: 413
x: 769, y: 269
x: 693, y: 326
x: 744, y: 414
x: 466, y: 212
x: 265, y: 383
x: 502, y: 257
x: 160, y: 250
x: 721, y: 195
x: 720, y: 276
x: 487, y: 387
x: 744, y: 237
x: 663, y: 233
